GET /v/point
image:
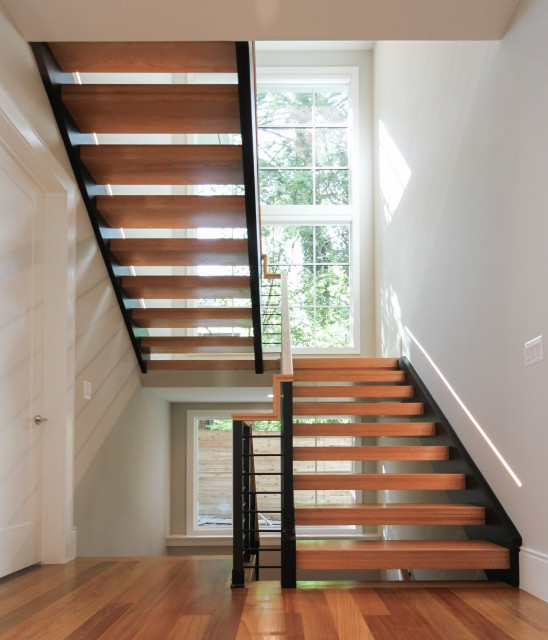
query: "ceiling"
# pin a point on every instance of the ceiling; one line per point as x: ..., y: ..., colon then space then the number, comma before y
x: 354, y: 20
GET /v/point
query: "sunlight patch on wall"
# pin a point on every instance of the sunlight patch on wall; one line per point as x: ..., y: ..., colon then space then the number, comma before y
x: 465, y: 409
x: 394, y: 173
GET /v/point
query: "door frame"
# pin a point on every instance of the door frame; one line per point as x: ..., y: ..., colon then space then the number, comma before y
x: 58, y: 189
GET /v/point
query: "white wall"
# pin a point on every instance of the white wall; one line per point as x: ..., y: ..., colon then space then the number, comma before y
x: 122, y: 499
x: 462, y: 261
x: 102, y: 349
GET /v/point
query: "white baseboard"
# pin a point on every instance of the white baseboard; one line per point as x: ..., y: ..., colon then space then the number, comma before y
x: 533, y: 572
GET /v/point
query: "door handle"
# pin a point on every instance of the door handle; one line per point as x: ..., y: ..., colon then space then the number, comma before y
x: 38, y: 419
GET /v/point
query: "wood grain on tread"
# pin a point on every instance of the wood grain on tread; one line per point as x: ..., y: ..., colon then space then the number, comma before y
x: 376, y: 481
x: 172, y: 212
x: 371, y: 453
x: 195, y: 317
x: 401, y: 554
x: 186, y: 287
x: 344, y: 363
x: 377, y: 514
x: 163, y: 164
x: 153, y: 108
x: 172, y: 252
x: 333, y: 375
x: 213, y: 365
x: 376, y: 429
x: 196, y: 344
x: 145, y: 57
x: 358, y: 409
x: 380, y: 391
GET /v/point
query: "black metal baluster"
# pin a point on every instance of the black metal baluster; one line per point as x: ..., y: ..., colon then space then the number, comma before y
x: 237, y: 505
x: 288, y: 542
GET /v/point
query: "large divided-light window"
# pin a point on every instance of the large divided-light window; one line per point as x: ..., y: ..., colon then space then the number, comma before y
x: 307, y: 160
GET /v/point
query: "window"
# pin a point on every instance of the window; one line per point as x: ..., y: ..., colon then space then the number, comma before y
x: 304, y: 144
x: 306, y: 133
x: 209, y: 474
x: 317, y: 261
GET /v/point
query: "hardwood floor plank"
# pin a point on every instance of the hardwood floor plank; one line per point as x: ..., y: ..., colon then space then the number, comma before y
x: 349, y: 622
x: 404, y: 623
x: 436, y: 614
x: 25, y: 612
x: 317, y: 620
x: 510, y: 621
x: 21, y: 588
x: 224, y: 624
x: 258, y: 623
x: 474, y: 621
x: 369, y: 602
x: 190, y: 628
x: 98, y: 623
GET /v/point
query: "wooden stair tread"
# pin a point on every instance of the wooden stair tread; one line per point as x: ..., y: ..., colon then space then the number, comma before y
x: 326, y: 391
x: 145, y: 57
x: 401, y: 554
x: 375, y: 481
x: 196, y: 344
x: 377, y: 429
x: 207, y: 365
x: 331, y: 375
x: 154, y: 108
x: 164, y: 164
x: 371, y: 453
x: 180, y: 251
x: 186, y: 287
x: 344, y: 363
x: 172, y: 212
x: 187, y: 318
x: 358, y: 408
x: 377, y: 514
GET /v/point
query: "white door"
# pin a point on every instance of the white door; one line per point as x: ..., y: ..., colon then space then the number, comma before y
x: 21, y: 352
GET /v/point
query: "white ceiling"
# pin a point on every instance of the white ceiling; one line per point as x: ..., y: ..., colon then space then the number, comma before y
x: 273, y: 20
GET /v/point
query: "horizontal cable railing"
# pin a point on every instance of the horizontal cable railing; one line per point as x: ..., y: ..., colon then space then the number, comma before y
x: 249, y: 503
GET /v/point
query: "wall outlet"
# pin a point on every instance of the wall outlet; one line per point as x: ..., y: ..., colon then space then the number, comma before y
x: 533, y: 351
x: 87, y: 390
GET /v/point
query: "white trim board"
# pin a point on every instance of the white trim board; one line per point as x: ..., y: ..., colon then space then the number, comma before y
x: 30, y: 153
x: 533, y: 572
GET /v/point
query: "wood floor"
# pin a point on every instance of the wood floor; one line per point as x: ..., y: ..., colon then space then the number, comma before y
x: 189, y: 598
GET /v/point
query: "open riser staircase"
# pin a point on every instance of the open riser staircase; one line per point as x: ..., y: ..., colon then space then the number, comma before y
x: 161, y: 138
x: 381, y: 400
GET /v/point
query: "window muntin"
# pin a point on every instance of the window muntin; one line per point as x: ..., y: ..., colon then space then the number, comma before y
x: 304, y: 150
x: 317, y: 261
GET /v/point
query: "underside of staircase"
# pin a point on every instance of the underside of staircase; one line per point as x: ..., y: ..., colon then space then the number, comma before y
x: 420, y: 506
x: 161, y: 140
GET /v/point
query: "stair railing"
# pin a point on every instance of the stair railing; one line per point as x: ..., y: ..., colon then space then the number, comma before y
x: 245, y: 61
x: 246, y: 540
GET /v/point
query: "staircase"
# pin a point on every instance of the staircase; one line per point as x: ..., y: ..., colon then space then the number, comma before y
x: 161, y: 138
x: 462, y: 527
x: 377, y: 389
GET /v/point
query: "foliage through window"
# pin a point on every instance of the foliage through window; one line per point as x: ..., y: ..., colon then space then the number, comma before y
x: 317, y: 261
x: 304, y: 145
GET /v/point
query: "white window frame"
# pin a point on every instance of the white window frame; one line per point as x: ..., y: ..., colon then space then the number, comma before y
x: 326, y: 214
x: 192, y: 528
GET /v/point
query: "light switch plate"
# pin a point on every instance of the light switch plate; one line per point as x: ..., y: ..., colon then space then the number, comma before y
x: 533, y: 351
x: 87, y: 390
